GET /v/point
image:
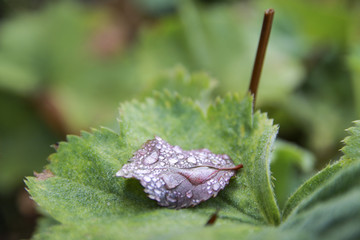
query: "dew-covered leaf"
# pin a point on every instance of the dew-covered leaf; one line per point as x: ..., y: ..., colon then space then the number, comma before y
x: 177, y: 178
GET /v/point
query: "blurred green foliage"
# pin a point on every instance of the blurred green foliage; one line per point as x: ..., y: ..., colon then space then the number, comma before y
x: 290, y: 167
x: 74, y: 61
x: 22, y: 132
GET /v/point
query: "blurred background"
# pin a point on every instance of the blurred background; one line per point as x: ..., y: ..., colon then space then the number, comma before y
x: 66, y: 65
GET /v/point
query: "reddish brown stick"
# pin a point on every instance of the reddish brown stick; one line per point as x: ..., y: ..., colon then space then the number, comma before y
x: 260, y: 54
x: 212, y: 218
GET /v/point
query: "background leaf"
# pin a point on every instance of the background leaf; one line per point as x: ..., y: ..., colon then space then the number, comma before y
x: 290, y: 167
x: 335, y: 203
x: 22, y: 132
x: 325, y: 178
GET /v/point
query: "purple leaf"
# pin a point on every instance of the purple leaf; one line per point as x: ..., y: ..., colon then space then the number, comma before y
x: 177, y: 178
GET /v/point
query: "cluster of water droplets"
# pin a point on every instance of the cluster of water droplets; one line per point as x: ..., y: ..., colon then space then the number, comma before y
x: 177, y: 178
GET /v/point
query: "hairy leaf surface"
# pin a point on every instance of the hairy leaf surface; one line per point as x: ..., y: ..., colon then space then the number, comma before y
x: 82, y: 190
x: 317, y: 182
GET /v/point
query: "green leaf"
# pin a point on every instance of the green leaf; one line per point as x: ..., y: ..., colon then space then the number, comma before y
x: 161, y: 224
x: 332, y: 211
x: 291, y: 166
x: 317, y: 182
x: 309, y: 187
x: 84, y: 191
x: 56, y: 50
x: 352, y: 148
x: 197, y: 86
x: 228, y: 127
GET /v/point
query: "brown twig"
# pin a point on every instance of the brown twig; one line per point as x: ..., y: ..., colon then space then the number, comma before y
x: 260, y: 54
x: 212, y: 218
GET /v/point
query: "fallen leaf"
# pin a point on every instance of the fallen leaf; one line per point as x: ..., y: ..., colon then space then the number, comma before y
x: 177, y: 178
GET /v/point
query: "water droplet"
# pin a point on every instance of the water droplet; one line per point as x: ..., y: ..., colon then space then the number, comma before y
x: 210, y: 191
x: 177, y: 149
x: 225, y: 156
x: 147, y: 179
x: 143, y: 171
x: 191, y: 159
x: 173, y: 160
x: 215, y: 161
x: 216, y: 186
x: 172, y: 181
x: 158, y: 184
x: 151, y: 159
x: 171, y: 199
x: 121, y: 173
x: 157, y: 192
x: 189, y: 194
x: 222, y: 182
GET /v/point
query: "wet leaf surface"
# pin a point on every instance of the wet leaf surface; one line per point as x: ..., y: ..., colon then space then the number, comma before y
x: 177, y: 178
